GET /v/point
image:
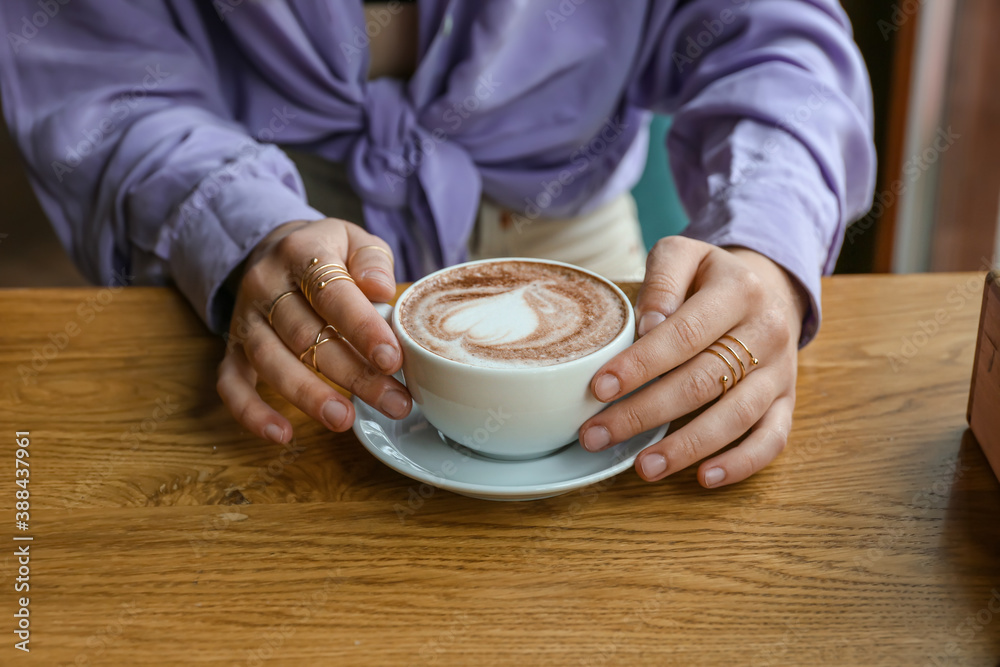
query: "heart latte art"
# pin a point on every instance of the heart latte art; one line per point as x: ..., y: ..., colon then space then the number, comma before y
x: 513, y: 314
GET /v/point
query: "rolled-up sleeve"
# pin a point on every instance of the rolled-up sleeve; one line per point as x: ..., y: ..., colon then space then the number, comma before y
x: 771, y: 144
x: 132, y: 149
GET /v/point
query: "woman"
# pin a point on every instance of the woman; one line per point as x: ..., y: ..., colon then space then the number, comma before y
x: 152, y: 134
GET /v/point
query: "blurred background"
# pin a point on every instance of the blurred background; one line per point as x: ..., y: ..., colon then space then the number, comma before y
x: 936, y: 81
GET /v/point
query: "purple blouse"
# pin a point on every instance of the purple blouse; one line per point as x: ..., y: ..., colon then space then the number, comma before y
x: 148, y: 127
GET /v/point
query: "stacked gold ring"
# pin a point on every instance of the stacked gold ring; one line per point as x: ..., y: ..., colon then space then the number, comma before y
x: 319, y: 341
x: 317, y: 276
x: 725, y: 379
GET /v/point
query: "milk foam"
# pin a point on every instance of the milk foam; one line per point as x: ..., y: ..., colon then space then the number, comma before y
x: 513, y: 314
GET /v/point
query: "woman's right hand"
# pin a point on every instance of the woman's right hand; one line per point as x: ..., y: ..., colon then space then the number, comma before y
x: 362, y: 361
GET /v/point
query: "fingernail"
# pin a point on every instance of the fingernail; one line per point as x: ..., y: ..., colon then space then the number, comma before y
x: 595, y: 438
x: 334, y: 412
x: 714, y: 476
x: 385, y: 357
x: 274, y: 433
x: 607, y: 387
x: 653, y: 465
x: 377, y: 275
x: 395, y: 404
x: 650, y: 320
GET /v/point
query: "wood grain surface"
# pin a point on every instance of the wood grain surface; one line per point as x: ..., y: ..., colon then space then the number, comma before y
x: 164, y: 534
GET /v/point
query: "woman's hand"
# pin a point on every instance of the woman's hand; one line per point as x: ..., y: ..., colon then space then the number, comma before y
x: 360, y: 359
x: 693, y: 295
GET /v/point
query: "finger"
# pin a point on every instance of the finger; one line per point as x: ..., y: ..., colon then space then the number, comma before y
x: 767, y: 439
x: 341, y: 363
x: 699, y: 322
x: 721, y: 424
x: 237, y: 386
x: 340, y: 302
x: 671, y: 267
x: 277, y: 366
x: 371, y: 263
x: 301, y: 329
x: 681, y: 391
x: 367, y: 257
x: 344, y: 306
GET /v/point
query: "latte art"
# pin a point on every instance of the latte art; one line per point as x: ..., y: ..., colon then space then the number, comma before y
x: 513, y: 314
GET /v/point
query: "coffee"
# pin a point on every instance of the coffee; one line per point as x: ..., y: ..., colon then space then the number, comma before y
x: 513, y: 314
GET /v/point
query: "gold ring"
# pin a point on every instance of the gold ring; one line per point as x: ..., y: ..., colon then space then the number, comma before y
x: 314, y: 272
x: 312, y: 277
x: 753, y: 359
x: 724, y: 378
x: 376, y: 247
x: 319, y: 341
x: 316, y: 280
x: 743, y: 369
x: 274, y: 304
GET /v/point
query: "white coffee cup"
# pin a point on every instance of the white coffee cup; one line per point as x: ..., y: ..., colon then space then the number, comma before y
x: 506, y: 413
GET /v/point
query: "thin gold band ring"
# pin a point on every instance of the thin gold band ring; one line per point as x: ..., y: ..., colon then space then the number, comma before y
x: 274, y: 304
x: 374, y: 247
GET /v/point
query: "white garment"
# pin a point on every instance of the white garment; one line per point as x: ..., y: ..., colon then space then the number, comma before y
x: 607, y: 240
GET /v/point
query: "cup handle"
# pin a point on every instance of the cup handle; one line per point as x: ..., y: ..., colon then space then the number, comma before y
x: 385, y: 310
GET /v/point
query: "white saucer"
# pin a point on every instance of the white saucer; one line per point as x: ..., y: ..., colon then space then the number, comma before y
x: 418, y: 450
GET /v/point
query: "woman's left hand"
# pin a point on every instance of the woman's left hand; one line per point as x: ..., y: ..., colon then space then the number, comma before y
x: 693, y: 295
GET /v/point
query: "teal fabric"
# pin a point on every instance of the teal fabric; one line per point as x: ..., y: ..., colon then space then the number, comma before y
x: 660, y: 210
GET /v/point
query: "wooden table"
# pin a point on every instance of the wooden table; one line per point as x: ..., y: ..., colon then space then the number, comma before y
x: 163, y: 534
